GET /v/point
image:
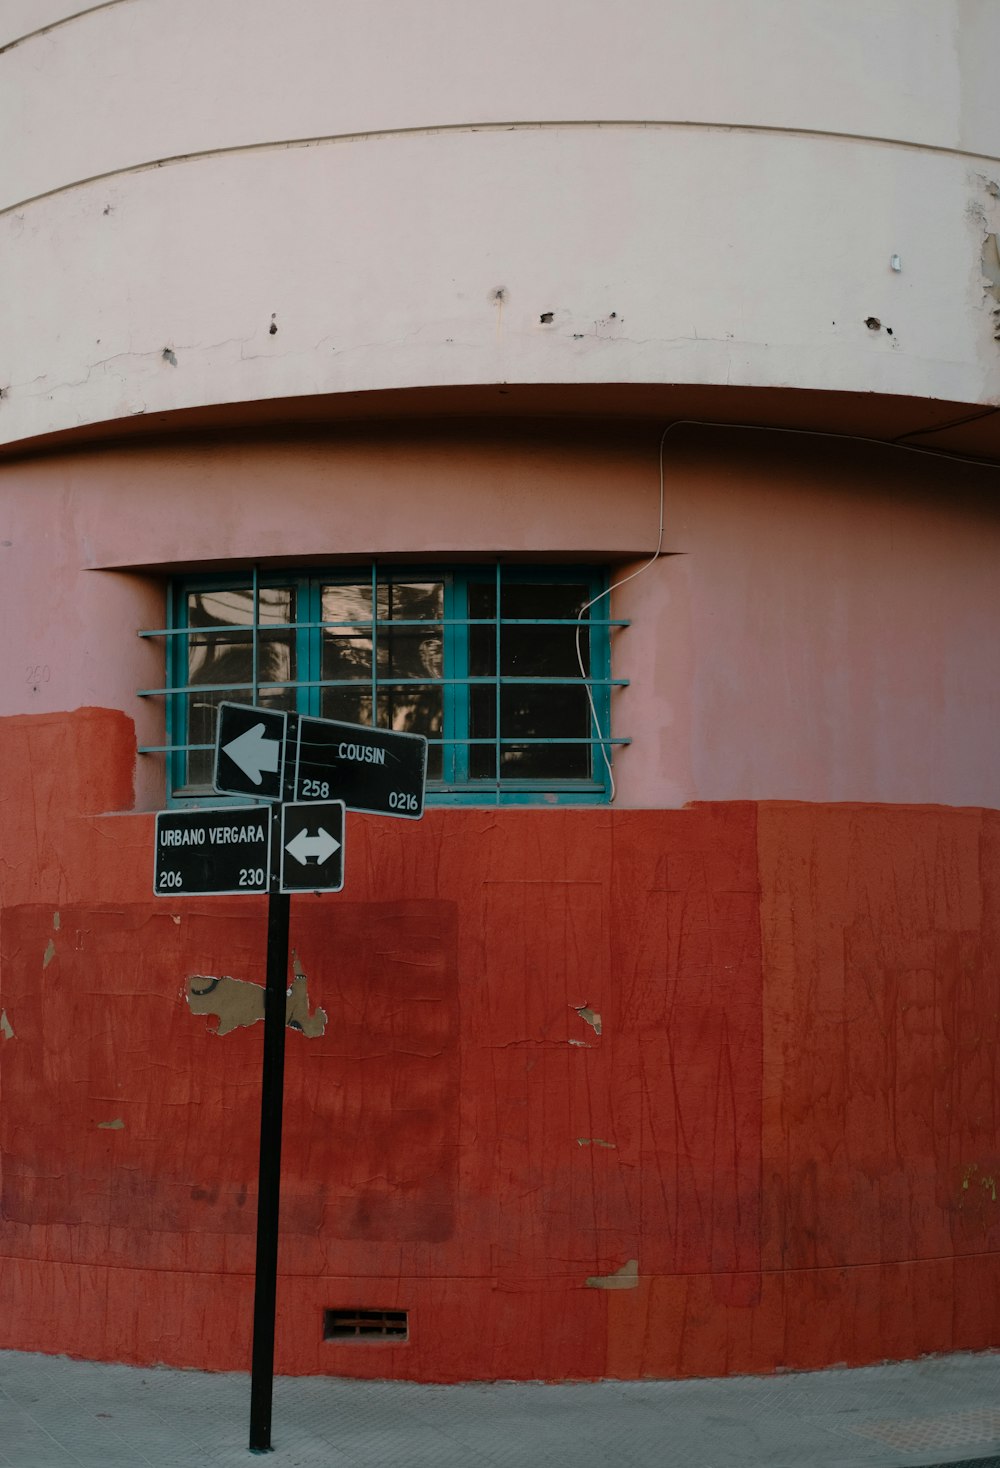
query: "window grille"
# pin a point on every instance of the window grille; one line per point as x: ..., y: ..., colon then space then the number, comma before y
x: 365, y: 1325
x: 480, y: 659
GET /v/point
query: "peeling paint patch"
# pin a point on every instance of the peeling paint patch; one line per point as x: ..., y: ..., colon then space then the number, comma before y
x: 233, y: 1001
x: 56, y: 920
x: 236, y: 1003
x: 986, y: 1181
x: 984, y: 216
x: 990, y: 263
x: 297, y: 1016
x: 589, y: 1017
x: 626, y: 1278
x: 6, y: 1028
x: 49, y: 954
x: 111, y: 1126
x: 594, y: 1142
x: 581, y: 1044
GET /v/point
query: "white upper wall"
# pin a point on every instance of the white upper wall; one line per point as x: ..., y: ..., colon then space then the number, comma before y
x: 140, y: 80
x: 728, y: 179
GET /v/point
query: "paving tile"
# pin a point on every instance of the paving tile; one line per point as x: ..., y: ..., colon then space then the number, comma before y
x: 993, y: 1461
x: 69, y: 1414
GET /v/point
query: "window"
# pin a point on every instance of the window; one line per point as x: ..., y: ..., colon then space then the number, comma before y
x: 481, y: 659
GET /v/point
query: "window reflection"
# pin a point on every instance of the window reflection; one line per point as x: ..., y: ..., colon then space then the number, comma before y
x: 377, y: 654
x: 403, y: 652
x: 226, y: 658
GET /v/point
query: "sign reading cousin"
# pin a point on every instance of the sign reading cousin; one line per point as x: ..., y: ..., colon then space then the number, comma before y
x: 212, y: 852
x: 374, y: 770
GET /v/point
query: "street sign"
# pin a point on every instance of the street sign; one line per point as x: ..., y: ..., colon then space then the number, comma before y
x: 250, y: 751
x: 229, y: 850
x: 336, y: 766
x: 374, y: 770
x: 212, y: 852
x: 312, y: 846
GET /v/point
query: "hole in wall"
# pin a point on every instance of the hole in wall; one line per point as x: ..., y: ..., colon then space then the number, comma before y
x: 365, y: 1325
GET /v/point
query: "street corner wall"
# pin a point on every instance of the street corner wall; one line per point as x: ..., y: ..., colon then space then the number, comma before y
x: 586, y: 1093
x: 878, y: 1221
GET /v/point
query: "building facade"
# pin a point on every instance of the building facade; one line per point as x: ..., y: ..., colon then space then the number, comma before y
x: 610, y: 394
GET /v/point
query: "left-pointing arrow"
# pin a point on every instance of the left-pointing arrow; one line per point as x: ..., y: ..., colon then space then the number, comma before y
x: 254, y: 754
x: 319, y: 847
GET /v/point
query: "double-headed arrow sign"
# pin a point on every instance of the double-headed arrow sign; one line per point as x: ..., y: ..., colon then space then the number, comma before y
x: 306, y: 848
x: 312, y: 847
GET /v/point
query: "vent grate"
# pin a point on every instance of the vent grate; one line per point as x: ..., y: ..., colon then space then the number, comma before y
x: 365, y: 1325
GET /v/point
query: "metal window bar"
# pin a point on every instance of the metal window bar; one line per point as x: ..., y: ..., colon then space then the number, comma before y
x: 432, y: 739
x: 498, y: 681
x: 396, y: 622
x: 375, y: 642
x: 477, y: 681
x: 497, y: 592
x: 453, y: 716
x: 255, y: 669
x: 435, y: 739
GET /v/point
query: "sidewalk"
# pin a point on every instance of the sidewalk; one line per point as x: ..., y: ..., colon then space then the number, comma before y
x: 56, y: 1413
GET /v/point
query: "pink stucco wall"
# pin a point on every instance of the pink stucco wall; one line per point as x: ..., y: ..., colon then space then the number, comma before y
x: 826, y: 631
x: 821, y: 627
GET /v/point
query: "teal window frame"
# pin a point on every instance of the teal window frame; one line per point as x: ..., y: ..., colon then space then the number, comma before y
x: 456, y: 785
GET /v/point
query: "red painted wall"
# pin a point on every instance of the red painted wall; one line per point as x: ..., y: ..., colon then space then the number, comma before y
x: 788, y: 1118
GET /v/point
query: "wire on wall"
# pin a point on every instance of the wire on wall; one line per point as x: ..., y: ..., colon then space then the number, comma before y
x: 744, y: 428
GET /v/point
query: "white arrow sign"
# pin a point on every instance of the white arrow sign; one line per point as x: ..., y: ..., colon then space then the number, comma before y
x: 254, y: 754
x: 319, y: 847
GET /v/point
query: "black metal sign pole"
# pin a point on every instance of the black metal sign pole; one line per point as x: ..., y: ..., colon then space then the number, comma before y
x: 269, y: 1172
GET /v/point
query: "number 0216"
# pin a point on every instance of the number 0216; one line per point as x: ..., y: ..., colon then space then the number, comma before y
x: 402, y: 800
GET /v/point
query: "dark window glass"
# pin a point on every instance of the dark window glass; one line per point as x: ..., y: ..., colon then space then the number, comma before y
x: 528, y: 710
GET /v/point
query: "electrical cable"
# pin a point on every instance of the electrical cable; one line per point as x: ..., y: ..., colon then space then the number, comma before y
x: 751, y: 428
